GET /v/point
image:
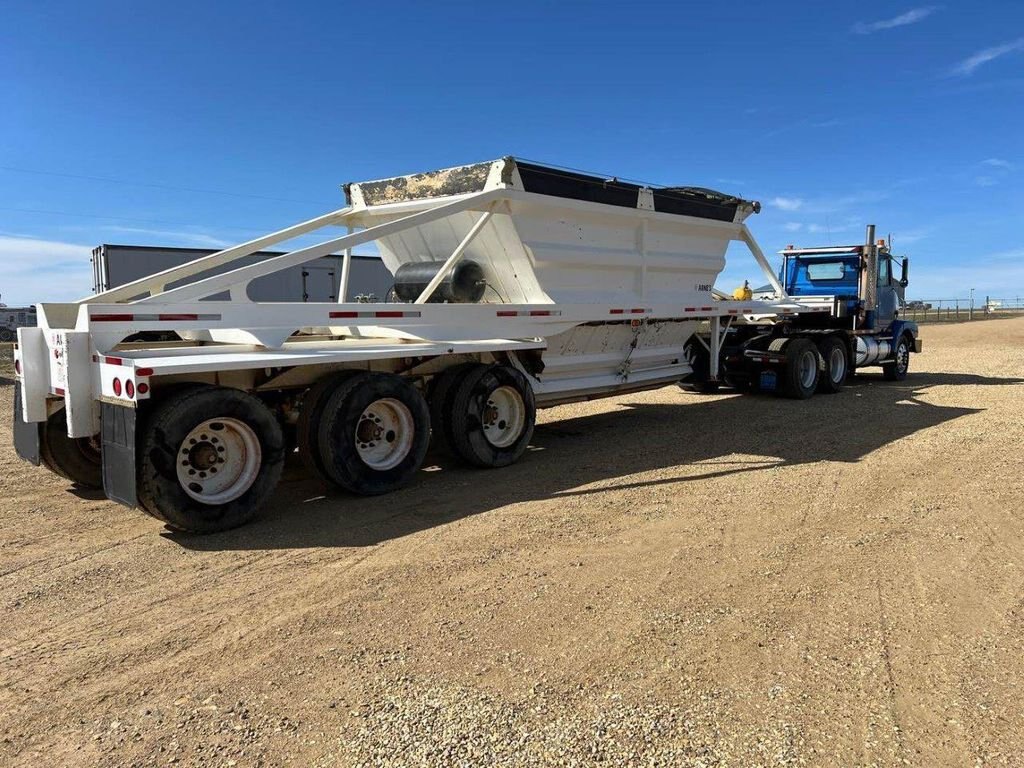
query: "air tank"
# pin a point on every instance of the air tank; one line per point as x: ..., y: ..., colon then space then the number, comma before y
x: 464, y: 283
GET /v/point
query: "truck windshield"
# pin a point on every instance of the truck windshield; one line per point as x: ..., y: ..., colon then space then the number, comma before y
x: 826, y: 270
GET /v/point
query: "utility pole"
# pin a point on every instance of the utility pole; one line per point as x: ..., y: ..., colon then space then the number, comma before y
x: 970, y: 315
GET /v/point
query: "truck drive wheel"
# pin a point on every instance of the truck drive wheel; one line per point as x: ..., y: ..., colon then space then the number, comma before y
x: 897, y: 369
x: 836, y: 355
x: 374, y: 433
x: 492, y: 416
x: 76, y: 459
x: 210, y: 457
x: 801, y: 371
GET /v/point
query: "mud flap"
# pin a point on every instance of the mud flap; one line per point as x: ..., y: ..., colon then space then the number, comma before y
x: 26, y: 433
x: 117, y: 429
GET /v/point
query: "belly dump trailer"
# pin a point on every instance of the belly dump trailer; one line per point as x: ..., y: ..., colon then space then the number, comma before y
x: 521, y: 286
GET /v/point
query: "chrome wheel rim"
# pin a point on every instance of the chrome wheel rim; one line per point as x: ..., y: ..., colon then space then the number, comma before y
x: 837, y: 364
x: 807, y: 369
x: 384, y: 434
x: 902, y: 357
x: 504, y: 416
x: 219, y: 460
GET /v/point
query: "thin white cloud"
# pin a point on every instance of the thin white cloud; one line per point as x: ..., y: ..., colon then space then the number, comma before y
x: 995, y: 162
x: 985, y: 181
x: 967, y: 67
x: 792, y: 226
x: 787, y: 203
x: 912, y: 16
x: 175, y: 237
x: 34, y: 270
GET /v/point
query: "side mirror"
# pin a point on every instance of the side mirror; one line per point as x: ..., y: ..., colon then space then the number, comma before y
x: 904, y: 274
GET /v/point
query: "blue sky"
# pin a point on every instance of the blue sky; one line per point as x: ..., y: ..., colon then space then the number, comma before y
x: 834, y: 115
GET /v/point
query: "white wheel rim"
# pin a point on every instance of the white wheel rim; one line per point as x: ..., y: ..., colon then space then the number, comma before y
x: 219, y: 460
x: 837, y: 364
x: 384, y: 434
x: 902, y: 356
x: 504, y: 416
x: 808, y: 368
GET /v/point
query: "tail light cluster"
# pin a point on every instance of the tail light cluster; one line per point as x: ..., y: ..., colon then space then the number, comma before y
x: 128, y: 388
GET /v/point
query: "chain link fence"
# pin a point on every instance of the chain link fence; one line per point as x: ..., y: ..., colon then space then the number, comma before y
x: 959, y: 310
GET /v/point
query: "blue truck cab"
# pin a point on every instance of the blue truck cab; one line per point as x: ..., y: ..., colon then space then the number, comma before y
x: 862, y: 286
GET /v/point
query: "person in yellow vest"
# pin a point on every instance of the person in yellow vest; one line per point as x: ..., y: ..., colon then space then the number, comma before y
x: 744, y: 293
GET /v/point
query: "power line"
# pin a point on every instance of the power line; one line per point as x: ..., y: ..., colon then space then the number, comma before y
x: 195, y: 190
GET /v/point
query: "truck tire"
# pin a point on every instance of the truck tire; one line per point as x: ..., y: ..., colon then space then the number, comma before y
x: 78, y: 460
x: 442, y: 390
x: 492, y: 416
x: 802, y: 369
x: 836, y: 355
x: 897, y: 369
x: 210, y: 457
x: 310, y: 415
x: 374, y: 433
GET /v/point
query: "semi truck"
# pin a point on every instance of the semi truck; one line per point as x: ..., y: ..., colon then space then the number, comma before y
x: 518, y: 286
x: 862, y: 327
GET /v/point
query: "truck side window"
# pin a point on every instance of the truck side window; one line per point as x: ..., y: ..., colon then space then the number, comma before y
x: 883, y: 271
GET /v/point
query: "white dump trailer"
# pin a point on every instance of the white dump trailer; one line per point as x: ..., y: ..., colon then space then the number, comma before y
x: 521, y: 286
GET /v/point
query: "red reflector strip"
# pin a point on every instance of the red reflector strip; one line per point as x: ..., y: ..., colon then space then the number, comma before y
x: 113, y: 361
x: 706, y: 309
x: 143, y: 371
x: 58, y: 391
x: 169, y: 318
x: 616, y: 311
x: 689, y: 309
x: 186, y: 317
x: 350, y: 313
x: 734, y: 311
x: 529, y: 313
x: 111, y: 318
x: 639, y: 311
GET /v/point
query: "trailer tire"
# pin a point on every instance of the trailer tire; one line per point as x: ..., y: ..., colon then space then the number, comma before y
x: 78, y: 460
x: 897, y: 369
x: 492, y: 416
x: 442, y: 390
x: 374, y: 433
x: 802, y: 369
x: 310, y: 415
x: 836, y: 355
x: 176, y: 455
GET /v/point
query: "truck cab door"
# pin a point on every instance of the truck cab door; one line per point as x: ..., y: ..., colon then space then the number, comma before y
x: 888, y: 293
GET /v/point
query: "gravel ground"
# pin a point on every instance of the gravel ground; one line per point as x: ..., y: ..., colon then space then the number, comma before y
x: 665, y: 579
